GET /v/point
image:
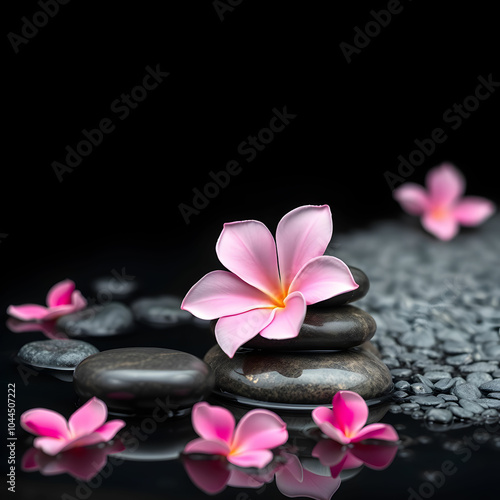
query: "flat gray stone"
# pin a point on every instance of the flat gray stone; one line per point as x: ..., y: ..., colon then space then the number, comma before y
x: 299, y: 377
x: 460, y: 359
x: 442, y: 416
x: 60, y: 354
x: 444, y: 384
x: 461, y: 412
x: 467, y: 391
x: 426, y: 400
x: 136, y: 379
x: 161, y: 311
x: 478, y: 378
x: 491, y: 386
x: 471, y: 406
x: 434, y: 376
x: 491, y: 403
x: 482, y: 366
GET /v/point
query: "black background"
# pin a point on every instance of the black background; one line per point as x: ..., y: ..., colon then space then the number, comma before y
x: 352, y: 119
x: 119, y: 207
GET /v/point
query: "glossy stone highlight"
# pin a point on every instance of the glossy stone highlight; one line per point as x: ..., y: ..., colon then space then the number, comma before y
x: 143, y: 378
x: 301, y: 377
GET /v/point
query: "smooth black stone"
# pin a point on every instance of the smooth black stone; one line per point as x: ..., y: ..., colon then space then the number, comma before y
x: 143, y: 378
x: 97, y: 321
x: 364, y: 285
x: 482, y: 366
x: 444, y: 384
x: 478, y: 378
x: 299, y: 377
x: 57, y: 354
x: 491, y: 386
x: 420, y: 388
x: 434, y: 376
x: 466, y: 391
x: 323, y: 329
x: 442, y: 416
x: 461, y: 412
x: 426, y: 400
x: 161, y: 311
x: 472, y: 406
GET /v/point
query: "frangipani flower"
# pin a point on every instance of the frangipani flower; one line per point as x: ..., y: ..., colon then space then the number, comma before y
x: 443, y: 208
x: 339, y: 457
x: 247, y: 445
x: 85, y: 427
x: 258, y: 296
x: 345, y: 422
x: 81, y: 463
x: 62, y: 299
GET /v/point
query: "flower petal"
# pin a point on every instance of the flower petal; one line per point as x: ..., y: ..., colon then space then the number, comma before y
x: 412, y: 198
x: 49, y: 445
x: 78, y: 301
x: 321, y: 278
x: 210, y: 476
x: 109, y: 429
x: 213, y: 422
x: 473, y: 210
x: 60, y: 293
x: 252, y: 458
x: 311, y: 486
x: 88, y: 418
x: 333, y: 432
x: 206, y: 447
x: 444, y: 227
x: 384, y: 432
x: 446, y: 184
x: 44, y: 422
x: 329, y: 452
x: 248, y: 250
x: 221, y: 293
x: 301, y: 235
x: 375, y: 456
x: 287, y: 320
x: 259, y: 430
x: 58, y: 311
x: 231, y: 332
x: 28, y: 312
x: 350, y: 412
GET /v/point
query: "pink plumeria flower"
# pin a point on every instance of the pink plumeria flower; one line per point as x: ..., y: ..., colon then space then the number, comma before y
x: 345, y: 422
x: 247, y: 445
x: 258, y: 296
x: 62, y: 299
x: 85, y: 427
x: 442, y: 207
x: 339, y: 457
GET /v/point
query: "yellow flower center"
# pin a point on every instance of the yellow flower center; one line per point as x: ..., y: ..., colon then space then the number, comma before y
x: 439, y: 213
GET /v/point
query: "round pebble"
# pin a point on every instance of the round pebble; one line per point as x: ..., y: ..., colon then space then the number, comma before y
x: 439, y: 415
x: 60, y: 354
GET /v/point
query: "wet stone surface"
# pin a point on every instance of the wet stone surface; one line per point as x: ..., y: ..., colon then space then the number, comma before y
x: 437, y: 313
x: 299, y: 378
x: 57, y: 354
x: 141, y: 378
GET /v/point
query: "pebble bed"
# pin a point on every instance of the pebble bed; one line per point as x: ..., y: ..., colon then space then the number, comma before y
x: 437, y: 307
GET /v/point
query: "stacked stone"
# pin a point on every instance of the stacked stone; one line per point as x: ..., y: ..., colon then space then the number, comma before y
x: 331, y: 353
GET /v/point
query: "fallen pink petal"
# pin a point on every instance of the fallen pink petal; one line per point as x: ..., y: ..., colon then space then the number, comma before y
x: 62, y: 299
x: 269, y: 283
x: 87, y: 426
x: 346, y: 421
x: 247, y: 444
x: 443, y: 208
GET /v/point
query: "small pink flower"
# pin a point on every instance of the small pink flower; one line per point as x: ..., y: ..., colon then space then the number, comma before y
x: 345, y: 422
x: 248, y: 445
x: 85, y: 427
x: 257, y: 297
x: 62, y: 299
x: 339, y: 457
x: 443, y: 208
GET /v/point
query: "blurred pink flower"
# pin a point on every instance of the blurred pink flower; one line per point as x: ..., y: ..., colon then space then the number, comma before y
x: 257, y: 297
x: 339, y: 457
x: 62, y: 299
x: 85, y: 427
x: 247, y: 445
x: 442, y: 207
x: 345, y: 422
x: 81, y: 463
